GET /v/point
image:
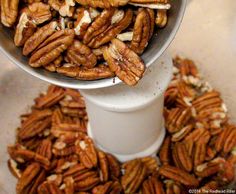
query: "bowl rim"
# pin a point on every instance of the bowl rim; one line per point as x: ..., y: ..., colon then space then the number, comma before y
x: 103, y: 82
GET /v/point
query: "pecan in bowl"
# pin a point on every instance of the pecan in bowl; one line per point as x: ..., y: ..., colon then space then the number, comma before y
x: 55, y: 34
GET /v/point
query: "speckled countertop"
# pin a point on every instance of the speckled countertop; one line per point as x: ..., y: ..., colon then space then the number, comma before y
x: 207, y: 35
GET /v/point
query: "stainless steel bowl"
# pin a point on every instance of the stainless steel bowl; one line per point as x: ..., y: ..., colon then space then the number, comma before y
x: 156, y: 47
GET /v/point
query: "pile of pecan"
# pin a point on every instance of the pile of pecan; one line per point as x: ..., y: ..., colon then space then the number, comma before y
x: 54, y: 155
x: 85, y: 39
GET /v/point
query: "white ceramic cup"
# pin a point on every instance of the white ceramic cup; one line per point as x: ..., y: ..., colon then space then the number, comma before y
x: 128, y: 121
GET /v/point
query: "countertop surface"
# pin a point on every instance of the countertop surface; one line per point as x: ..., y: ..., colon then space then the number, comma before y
x: 207, y: 35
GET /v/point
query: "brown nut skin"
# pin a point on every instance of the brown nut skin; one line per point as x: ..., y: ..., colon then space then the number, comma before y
x: 103, y: 3
x: 9, y: 12
x: 124, y: 62
x: 24, y: 30
x: 52, y: 48
x: 80, y: 54
x: 98, y: 72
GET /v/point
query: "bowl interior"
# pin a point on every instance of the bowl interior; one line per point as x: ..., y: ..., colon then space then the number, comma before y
x: 156, y: 47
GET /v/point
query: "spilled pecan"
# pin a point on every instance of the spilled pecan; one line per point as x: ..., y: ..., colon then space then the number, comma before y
x: 177, y: 119
x: 152, y: 186
x: 178, y: 175
x: 135, y: 173
x: 103, y: 163
x: 31, y: 178
x: 108, y: 188
x: 181, y: 157
x: 53, y: 96
x: 209, y: 168
x: 87, y: 152
x: 165, y: 151
x: 226, y: 141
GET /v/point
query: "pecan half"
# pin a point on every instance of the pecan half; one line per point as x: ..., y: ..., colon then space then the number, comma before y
x: 103, y: 163
x: 64, y: 7
x: 101, y: 23
x: 181, y: 157
x: 38, y: 12
x: 200, y: 149
x: 103, y: 3
x: 38, y: 37
x: 52, y: 48
x: 32, y: 174
x: 45, y: 149
x: 226, y: 140
x: 35, y: 124
x: 177, y: 118
x: 173, y: 187
x: 108, y: 188
x: 209, y: 168
x: 24, y: 30
x: 208, y: 100
x: 178, y: 136
x: 152, y: 186
x: 49, y: 188
x: 21, y: 155
x: 161, y: 18
x: 98, y: 72
x: 143, y: 30
x: 126, y: 64
x: 12, y: 166
x: 135, y: 173
x: 80, y: 54
x: 107, y: 26
x: 69, y: 185
x: 210, y: 185
x: 114, y: 167
x: 178, y: 175
x: 152, y: 4
x: 83, y: 21
x: 9, y: 12
x: 87, y: 152
x: 165, y: 151
x: 151, y: 163
x: 53, y: 96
